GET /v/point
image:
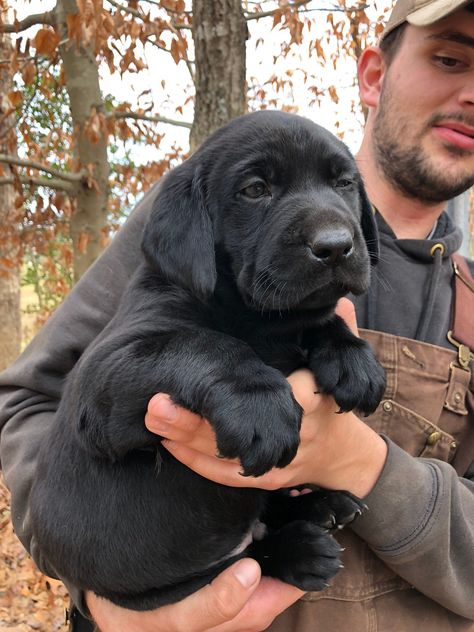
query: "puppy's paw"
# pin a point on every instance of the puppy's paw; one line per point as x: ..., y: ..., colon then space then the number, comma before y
x: 333, y: 509
x: 301, y: 554
x: 256, y: 419
x: 350, y: 373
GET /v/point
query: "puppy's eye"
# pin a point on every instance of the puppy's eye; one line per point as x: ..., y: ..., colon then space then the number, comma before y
x: 255, y: 190
x: 344, y: 183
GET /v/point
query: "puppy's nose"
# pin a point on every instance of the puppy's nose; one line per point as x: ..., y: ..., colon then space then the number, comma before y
x: 332, y: 247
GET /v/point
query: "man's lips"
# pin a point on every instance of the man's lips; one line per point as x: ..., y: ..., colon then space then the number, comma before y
x: 453, y: 133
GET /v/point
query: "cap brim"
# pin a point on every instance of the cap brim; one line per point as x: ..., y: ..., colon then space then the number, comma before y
x: 434, y: 11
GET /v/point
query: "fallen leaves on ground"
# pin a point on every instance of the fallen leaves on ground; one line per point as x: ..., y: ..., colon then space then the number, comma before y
x: 28, y: 599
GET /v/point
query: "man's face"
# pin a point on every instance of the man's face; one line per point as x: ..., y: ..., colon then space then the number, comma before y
x: 424, y: 124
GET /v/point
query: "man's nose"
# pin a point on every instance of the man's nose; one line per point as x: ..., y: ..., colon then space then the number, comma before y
x: 466, y: 93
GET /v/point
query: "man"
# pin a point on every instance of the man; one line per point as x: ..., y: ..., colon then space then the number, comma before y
x: 409, y: 560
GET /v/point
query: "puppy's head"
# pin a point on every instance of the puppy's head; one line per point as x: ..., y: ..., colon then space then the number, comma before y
x: 282, y: 202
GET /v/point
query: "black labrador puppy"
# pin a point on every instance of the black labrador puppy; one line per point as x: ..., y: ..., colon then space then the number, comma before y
x: 249, y: 245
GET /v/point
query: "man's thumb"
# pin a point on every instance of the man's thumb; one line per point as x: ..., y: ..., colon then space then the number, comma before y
x: 224, y: 598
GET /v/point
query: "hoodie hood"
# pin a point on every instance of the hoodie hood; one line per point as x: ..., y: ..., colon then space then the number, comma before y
x: 411, y: 289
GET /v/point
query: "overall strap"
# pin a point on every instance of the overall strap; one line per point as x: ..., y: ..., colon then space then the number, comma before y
x: 461, y: 335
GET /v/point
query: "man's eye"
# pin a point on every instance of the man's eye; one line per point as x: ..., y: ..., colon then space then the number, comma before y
x: 448, y: 62
x: 256, y: 190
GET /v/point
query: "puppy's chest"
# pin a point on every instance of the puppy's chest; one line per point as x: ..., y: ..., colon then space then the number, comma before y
x: 284, y: 351
x: 287, y: 356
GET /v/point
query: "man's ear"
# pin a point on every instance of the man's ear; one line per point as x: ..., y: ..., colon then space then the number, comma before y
x: 371, y: 70
x: 178, y: 240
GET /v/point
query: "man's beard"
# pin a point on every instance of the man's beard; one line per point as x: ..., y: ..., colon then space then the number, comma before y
x: 409, y: 169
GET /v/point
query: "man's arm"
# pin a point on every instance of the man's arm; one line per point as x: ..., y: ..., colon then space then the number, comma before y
x: 421, y: 524
x: 420, y: 520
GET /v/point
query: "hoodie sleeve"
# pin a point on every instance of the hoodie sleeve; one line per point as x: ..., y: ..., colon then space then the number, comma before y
x: 421, y: 524
x: 30, y: 389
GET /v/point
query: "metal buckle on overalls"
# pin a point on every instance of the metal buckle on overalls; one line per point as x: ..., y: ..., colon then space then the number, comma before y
x: 465, y: 355
x: 457, y: 272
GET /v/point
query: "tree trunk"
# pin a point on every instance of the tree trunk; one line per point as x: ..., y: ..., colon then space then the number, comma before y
x: 82, y: 83
x: 219, y: 33
x: 10, y: 320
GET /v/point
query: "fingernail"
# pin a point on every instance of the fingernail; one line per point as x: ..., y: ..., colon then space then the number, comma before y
x: 247, y: 572
x: 163, y: 408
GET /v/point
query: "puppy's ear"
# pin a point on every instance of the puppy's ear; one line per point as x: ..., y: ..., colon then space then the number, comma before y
x: 178, y: 240
x: 369, y: 227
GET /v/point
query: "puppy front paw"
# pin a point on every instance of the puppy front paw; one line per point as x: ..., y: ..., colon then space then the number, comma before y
x: 256, y: 419
x: 300, y: 553
x: 350, y: 373
x: 333, y: 509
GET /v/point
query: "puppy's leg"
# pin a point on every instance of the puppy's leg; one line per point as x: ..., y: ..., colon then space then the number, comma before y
x: 249, y: 404
x: 327, y: 508
x: 300, y: 553
x: 345, y: 367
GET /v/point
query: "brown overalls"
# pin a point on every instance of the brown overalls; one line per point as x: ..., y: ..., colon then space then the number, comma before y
x: 428, y: 410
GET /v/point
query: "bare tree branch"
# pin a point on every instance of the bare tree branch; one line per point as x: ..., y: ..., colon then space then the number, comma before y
x: 182, y: 27
x: 129, y: 10
x: 140, y: 15
x: 51, y: 183
x: 167, y: 9
x: 189, y: 63
x: 150, y: 119
x: 68, y: 177
x: 265, y: 14
x: 31, y: 20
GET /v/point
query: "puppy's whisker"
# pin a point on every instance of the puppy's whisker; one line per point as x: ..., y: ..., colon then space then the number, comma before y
x: 275, y: 297
x: 384, y: 282
x: 264, y: 291
x: 279, y: 291
x: 260, y: 281
x: 379, y: 258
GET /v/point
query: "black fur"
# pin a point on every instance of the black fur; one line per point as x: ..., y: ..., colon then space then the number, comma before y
x: 249, y: 245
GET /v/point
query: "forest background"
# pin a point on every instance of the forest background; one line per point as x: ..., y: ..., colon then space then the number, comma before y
x: 99, y: 98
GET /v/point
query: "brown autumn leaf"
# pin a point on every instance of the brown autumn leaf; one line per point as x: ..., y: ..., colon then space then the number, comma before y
x: 87, y: 9
x: 176, y: 50
x: 74, y: 27
x: 92, y: 129
x: 82, y: 242
x: 46, y: 41
x: 15, y: 97
x: 19, y: 201
x: 333, y: 94
x: 29, y: 72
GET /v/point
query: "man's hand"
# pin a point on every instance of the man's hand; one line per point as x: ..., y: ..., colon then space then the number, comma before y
x: 238, y: 600
x: 337, y: 451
